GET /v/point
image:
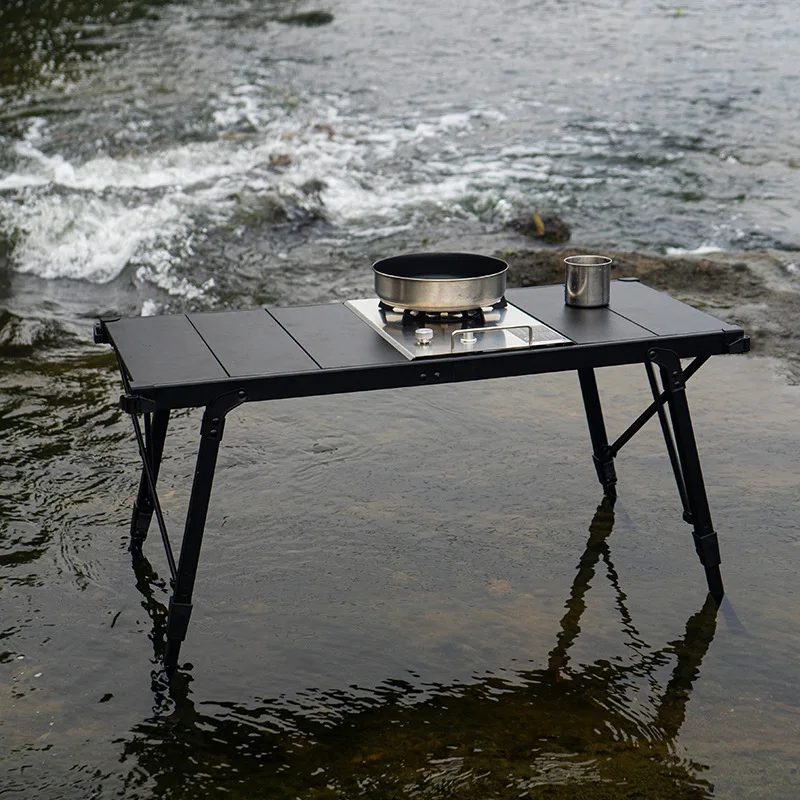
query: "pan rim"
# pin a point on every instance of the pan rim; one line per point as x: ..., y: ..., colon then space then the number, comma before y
x: 481, y: 277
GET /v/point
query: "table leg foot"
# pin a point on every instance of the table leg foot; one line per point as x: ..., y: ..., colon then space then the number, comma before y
x: 172, y: 652
x: 606, y: 474
x: 177, y: 626
x: 714, y: 580
x: 140, y: 524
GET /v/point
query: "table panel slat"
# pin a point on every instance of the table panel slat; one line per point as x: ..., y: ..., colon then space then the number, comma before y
x: 251, y: 343
x: 661, y: 313
x: 335, y: 337
x: 582, y: 325
x: 163, y: 350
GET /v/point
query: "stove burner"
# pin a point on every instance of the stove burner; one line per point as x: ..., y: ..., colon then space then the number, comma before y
x: 409, y: 317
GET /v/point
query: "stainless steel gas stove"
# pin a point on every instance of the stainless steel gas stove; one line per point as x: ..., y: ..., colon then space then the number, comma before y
x: 417, y: 334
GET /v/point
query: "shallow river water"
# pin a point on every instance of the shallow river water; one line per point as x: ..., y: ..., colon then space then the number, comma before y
x: 402, y: 594
x: 410, y: 593
x: 210, y: 153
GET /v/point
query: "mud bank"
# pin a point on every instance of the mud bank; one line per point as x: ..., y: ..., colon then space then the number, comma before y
x: 758, y: 290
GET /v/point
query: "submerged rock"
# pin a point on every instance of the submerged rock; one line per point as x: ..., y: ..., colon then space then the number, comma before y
x: 21, y: 337
x: 278, y: 160
x: 314, y: 186
x: 265, y: 208
x: 257, y: 209
x: 310, y: 19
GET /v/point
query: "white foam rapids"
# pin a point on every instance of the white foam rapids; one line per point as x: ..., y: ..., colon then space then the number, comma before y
x: 90, y: 220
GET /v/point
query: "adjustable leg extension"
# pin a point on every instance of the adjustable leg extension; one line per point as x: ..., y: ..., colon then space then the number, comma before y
x: 686, y: 462
x: 601, y: 452
x: 180, y: 604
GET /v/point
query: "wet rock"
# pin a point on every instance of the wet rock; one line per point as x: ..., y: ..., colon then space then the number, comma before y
x: 22, y: 337
x: 7, y: 243
x: 314, y: 186
x: 262, y: 208
x: 257, y: 209
x: 549, y: 229
x: 280, y: 160
x: 309, y: 19
x: 323, y: 127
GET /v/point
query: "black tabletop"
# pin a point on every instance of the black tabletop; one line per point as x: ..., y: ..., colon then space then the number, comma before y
x: 186, y: 360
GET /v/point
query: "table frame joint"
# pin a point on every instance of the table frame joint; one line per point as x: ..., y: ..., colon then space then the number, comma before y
x: 136, y: 404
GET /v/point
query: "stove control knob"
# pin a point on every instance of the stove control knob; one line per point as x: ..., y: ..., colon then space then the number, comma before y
x: 424, y: 336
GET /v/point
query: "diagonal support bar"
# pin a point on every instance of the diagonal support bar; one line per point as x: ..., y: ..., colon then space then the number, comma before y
x: 149, y: 476
x: 670, y: 443
x: 155, y: 433
x: 652, y: 409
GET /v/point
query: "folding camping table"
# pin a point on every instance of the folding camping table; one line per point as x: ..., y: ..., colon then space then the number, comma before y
x: 223, y: 359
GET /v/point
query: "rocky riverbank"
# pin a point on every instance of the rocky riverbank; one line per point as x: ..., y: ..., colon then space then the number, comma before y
x: 758, y: 290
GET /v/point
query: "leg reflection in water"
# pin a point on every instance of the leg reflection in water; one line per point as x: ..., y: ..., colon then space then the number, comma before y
x: 606, y: 729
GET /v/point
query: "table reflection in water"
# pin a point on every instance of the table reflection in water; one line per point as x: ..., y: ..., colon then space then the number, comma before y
x: 604, y: 730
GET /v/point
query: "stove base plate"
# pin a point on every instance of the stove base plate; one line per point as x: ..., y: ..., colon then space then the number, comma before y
x: 506, y: 328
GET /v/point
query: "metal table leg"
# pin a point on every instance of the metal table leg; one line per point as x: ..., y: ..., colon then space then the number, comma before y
x: 690, y: 477
x: 180, y: 604
x: 601, y: 453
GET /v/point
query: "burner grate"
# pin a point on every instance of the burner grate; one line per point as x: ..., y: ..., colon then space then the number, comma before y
x: 409, y: 317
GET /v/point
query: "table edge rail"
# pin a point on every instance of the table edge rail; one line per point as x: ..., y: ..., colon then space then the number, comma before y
x: 482, y: 366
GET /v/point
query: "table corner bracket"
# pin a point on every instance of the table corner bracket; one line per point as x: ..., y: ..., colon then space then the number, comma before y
x: 99, y: 334
x: 669, y: 362
x: 740, y: 345
x: 217, y: 410
x: 136, y: 404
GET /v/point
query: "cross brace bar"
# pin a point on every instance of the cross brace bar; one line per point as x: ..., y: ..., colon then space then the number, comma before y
x: 652, y: 409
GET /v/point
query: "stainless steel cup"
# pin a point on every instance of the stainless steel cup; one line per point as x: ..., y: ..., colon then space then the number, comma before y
x: 587, y: 283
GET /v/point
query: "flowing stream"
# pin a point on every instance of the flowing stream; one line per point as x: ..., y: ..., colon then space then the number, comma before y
x: 409, y: 593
